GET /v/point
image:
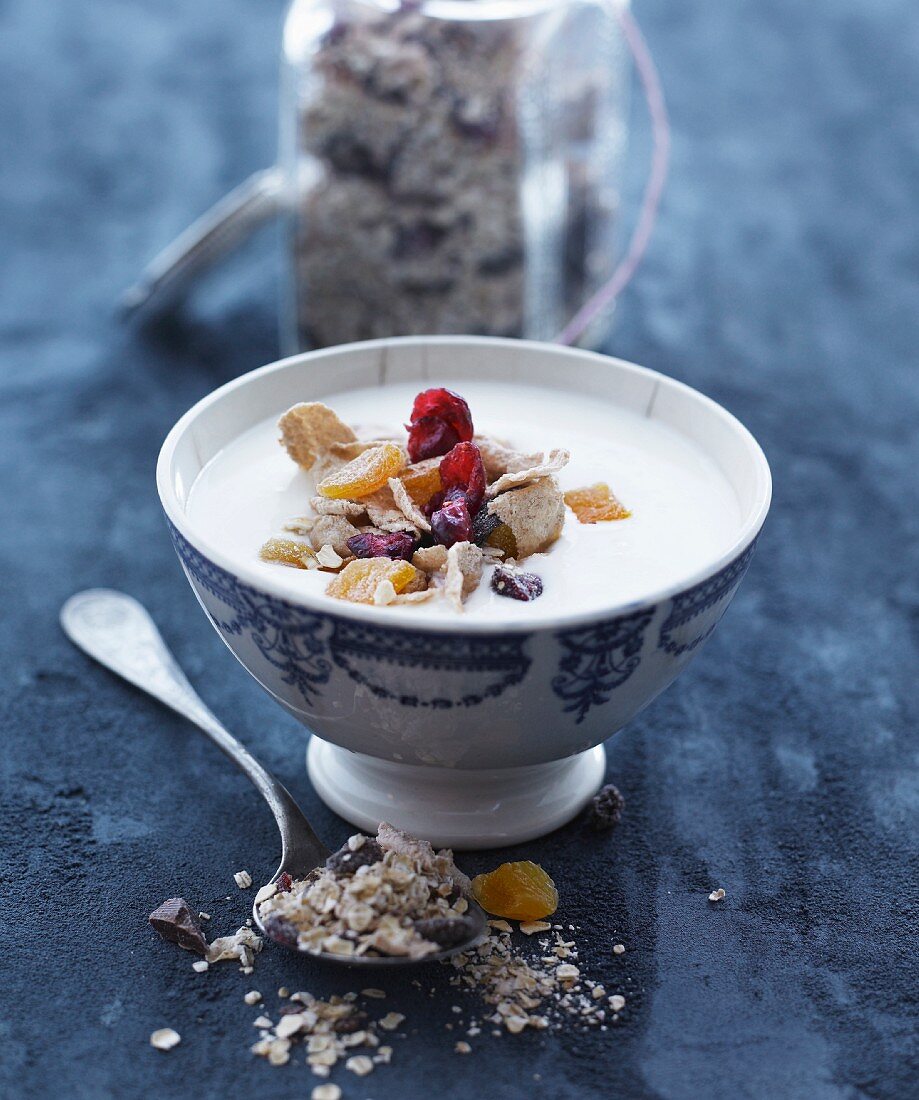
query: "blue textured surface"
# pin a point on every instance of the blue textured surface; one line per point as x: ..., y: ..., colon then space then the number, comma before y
x: 783, y: 280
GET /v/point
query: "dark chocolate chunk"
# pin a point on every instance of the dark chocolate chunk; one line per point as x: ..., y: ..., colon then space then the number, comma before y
x: 177, y: 922
x: 606, y: 808
x: 445, y: 931
x: 346, y: 862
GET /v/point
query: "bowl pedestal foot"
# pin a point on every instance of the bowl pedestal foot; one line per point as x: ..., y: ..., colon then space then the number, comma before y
x: 453, y: 807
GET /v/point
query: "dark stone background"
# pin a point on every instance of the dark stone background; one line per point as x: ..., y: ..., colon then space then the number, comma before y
x: 783, y: 280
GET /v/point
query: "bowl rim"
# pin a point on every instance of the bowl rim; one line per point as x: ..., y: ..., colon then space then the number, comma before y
x: 409, y: 618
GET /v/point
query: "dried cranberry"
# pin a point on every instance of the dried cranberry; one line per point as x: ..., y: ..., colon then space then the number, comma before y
x: 440, y: 419
x: 606, y: 808
x: 395, y: 544
x: 452, y: 523
x: 462, y: 469
x: 429, y: 437
x: 284, y: 882
x: 483, y: 525
x: 515, y: 584
x: 446, y: 405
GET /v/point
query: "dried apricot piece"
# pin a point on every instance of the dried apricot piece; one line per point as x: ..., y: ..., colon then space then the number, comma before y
x: 595, y: 504
x: 289, y: 552
x: 503, y: 539
x: 359, y: 579
x: 365, y: 474
x: 422, y: 480
x: 518, y: 891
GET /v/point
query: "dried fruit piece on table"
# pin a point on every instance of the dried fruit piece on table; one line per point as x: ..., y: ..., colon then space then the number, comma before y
x: 595, y: 504
x: 309, y: 429
x: 515, y: 584
x: 176, y: 921
x: 606, y: 808
x: 535, y: 513
x: 452, y: 522
x: 358, y: 580
x: 422, y: 480
x: 390, y: 544
x: 551, y: 463
x: 365, y: 474
x: 440, y: 419
x: 462, y: 469
x: 289, y: 552
x: 518, y: 891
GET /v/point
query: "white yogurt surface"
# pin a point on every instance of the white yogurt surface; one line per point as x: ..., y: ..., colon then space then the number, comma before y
x: 684, y: 512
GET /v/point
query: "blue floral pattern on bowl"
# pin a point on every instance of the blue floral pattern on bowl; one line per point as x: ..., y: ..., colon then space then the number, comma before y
x: 689, y: 623
x: 598, y: 659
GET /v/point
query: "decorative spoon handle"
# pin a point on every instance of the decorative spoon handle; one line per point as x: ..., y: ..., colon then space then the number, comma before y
x: 118, y: 632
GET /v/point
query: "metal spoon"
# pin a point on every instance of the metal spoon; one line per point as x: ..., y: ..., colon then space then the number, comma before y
x: 119, y: 633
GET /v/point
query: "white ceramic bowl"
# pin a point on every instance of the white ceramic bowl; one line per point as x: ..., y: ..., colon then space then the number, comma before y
x: 464, y: 733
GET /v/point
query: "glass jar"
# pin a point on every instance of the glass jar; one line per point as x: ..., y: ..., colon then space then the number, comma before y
x: 446, y: 166
x: 453, y: 166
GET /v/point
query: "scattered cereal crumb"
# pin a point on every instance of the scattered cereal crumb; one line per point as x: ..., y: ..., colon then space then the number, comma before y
x: 529, y: 927
x: 567, y: 972
x: 165, y: 1038
x: 716, y: 895
x: 617, y: 1002
x: 462, y: 1047
x: 204, y: 916
x: 266, y: 892
x: 598, y: 993
x: 326, y: 1092
x: 262, y: 1021
x: 377, y: 994
x: 252, y: 997
x: 515, y: 1024
x: 200, y: 965
x: 618, y: 948
x: 360, y: 1064
x: 391, y: 1021
x: 500, y: 925
x: 243, y: 880
x: 283, y: 992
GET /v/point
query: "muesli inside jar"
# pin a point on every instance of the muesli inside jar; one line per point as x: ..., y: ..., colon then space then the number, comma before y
x: 456, y: 164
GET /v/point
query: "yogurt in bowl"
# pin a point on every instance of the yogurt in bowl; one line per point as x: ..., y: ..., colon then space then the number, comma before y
x: 475, y: 722
x: 683, y: 510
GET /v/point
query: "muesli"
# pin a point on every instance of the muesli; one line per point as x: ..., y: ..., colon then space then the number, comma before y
x: 431, y: 514
x: 386, y: 895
